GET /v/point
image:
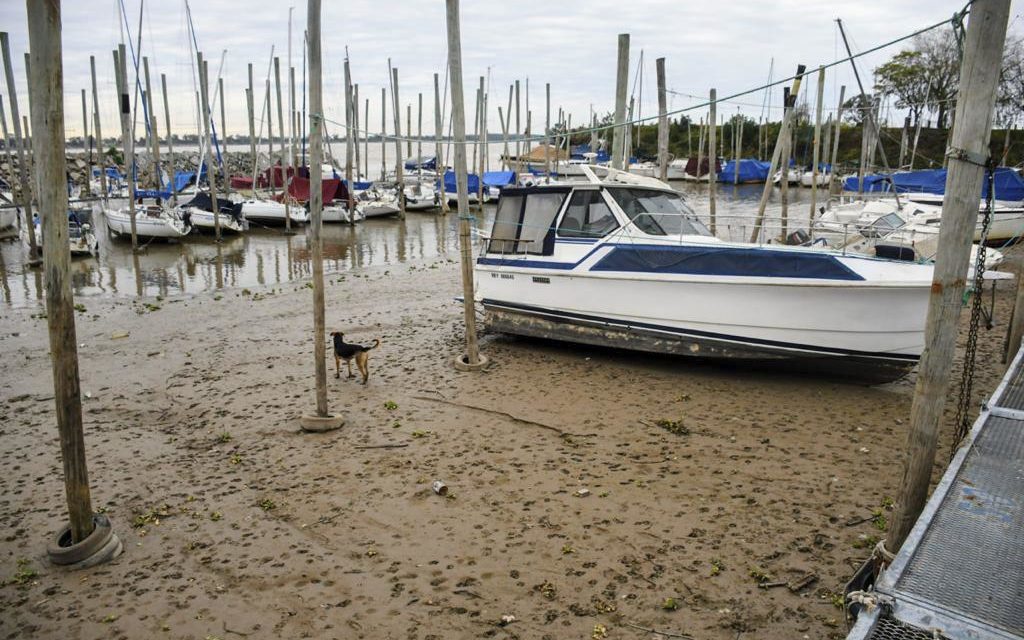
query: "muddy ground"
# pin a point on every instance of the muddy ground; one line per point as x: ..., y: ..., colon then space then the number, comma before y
x: 238, y: 525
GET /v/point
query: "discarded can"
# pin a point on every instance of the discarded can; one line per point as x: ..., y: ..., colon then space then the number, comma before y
x: 439, y: 488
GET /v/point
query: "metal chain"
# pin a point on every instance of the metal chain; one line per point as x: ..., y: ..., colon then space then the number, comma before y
x: 963, y: 408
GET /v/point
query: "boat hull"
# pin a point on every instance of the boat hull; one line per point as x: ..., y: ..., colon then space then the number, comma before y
x: 203, y: 220
x: 716, y: 318
x: 146, y: 226
x: 333, y: 213
x: 271, y: 212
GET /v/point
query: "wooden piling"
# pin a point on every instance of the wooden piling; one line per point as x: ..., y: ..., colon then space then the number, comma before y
x: 712, y: 159
x: 86, y: 144
x: 45, y: 91
x: 481, y: 136
x: 399, y: 165
x: 419, y: 135
x: 383, y: 133
x: 316, y: 206
x: 280, y: 132
x: 99, y: 131
x: 438, y: 132
x: 968, y: 152
x: 547, y: 130
x: 170, y: 143
x: 250, y: 104
x: 149, y: 119
x: 834, y: 182
x: 776, y: 155
x: 350, y: 145
x: 211, y: 174
x: 663, y: 121
x: 817, y: 140
x: 472, y: 358
x: 127, y: 139
x: 621, y: 87
x: 19, y: 140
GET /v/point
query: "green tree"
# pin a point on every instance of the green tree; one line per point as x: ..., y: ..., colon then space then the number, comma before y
x: 904, y: 78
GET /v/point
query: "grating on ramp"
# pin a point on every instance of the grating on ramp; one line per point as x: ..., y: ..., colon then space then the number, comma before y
x: 891, y: 629
x: 1013, y: 395
x: 970, y: 557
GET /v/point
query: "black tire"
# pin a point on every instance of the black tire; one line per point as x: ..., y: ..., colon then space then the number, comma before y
x: 62, y: 552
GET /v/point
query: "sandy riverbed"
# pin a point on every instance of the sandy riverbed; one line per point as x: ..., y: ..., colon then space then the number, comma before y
x: 238, y: 525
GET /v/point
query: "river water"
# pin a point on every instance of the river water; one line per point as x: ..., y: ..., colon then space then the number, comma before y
x: 269, y: 257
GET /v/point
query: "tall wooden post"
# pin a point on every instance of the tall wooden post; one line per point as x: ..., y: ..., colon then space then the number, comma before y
x: 268, y: 100
x: 621, y: 86
x: 358, y: 125
x: 280, y: 135
x: 99, y: 132
x: 6, y: 138
x: 323, y: 420
x: 776, y: 155
x: 19, y: 140
x: 211, y: 175
x: 438, y: 132
x: 419, y: 133
x: 250, y: 104
x: 86, y: 144
x: 787, y: 153
x: 127, y: 139
x: 817, y: 140
x: 291, y: 144
x: 481, y: 137
x: 969, y: 149
x: 399, y: 176
x: 366, y: 138
x: 150, y: 129
x: 663, y: 121
x: 170, y: 141
x: 473, y: 359
x: 45, y: 91
x: 223, y: 120
x: 350, y: 129
x: 383, y: 132
x: 712, y: 159
x: 408, y: 130
x: 904, y: 135
x: 519, y: 130
x: 835, y: 185
x: 547, y: 130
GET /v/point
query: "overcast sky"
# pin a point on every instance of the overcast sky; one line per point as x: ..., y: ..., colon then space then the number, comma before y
x: 570, y: 44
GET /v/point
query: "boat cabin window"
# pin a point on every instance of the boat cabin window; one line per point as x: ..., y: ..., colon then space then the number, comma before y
x: 587, y: 216
x: 659, y: 213
x: 524, y: 222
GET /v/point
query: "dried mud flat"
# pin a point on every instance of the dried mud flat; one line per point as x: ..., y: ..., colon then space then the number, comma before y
x: 593, y: 493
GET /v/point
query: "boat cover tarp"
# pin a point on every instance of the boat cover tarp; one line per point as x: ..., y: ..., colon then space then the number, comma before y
x: 241, y: 182
x: 473, y: 182
x: 204, y: 202
x: 705, y: 167
x: 329, y: 189
x: 183, y: 179
x: 499, y: 178
x: 362, y: 186
x: 425, y: 163
x: 750, y: 170
x: 111, y: 173
x: 537, y: 154
x: 1008, y: 183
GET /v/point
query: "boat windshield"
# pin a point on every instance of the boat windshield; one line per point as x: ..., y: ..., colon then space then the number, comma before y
x: 658, y: 213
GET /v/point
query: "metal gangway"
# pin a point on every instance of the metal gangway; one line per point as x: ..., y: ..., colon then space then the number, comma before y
x: 960, y: 572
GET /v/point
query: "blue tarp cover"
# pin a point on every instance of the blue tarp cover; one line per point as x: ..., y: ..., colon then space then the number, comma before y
x: 499, y: 178
x: 1009, y: 184
x: 449, y: 182
x: 750, y: 170
x: 111, y: 173
x: 426, y: 163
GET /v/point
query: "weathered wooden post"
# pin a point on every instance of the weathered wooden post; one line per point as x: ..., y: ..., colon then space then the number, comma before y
x: 250, y: 105
x: 45, y: 91
x: 170, y: 140
x: 350, y: 129
x: 399, y: 165
x: 547, y: 131
x: 473, y: 360
x: 211, y: 174
x: 151, y: 136
x: 835, y: 144
x: 358, y: 126
x: 99, y: 132
x: 621, y: 82
x: 712, y: 160
x: 481, y: 136
x: 968, y: 153
x: 6, y: 139
x: 817, y: 140
x: 419, y: 135
x: 86, y: 145
x: 438, y: 132
x: 281, y: 139
x: 383, y: 132
x: 19, y: 140
x: 322, y: 420
x: 223, y: 121
x: 777, y: 155
x: 408, y: 130
x: 127, y: 139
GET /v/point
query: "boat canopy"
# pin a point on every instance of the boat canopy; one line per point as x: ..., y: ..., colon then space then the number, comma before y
x: 1008, y: 183
x: 749, y: 170
x: 112, y: 172
x: 424, y: 163
x: 472, y: 186
x: 203, y: 201
x: 499, y: 178
x: 330, y: 190
x: 705, y: 166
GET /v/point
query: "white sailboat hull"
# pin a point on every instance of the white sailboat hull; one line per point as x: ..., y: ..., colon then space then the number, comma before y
x: 204, y: 220
x: 8, y: 217
x: 273, y: 212
x: 335, y: 213
x: 148, y: 224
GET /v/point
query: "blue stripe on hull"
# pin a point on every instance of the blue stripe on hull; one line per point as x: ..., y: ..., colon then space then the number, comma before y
x: 700, y: 260
x: 775, y: 345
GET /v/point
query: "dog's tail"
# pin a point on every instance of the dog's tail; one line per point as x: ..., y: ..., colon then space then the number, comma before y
x: 376, y: 343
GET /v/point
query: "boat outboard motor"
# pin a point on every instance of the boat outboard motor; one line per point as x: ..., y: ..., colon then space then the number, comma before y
x: 798, y: 238
x: 895, y: 252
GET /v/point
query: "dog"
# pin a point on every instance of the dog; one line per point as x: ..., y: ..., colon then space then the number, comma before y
x: 345, y: 351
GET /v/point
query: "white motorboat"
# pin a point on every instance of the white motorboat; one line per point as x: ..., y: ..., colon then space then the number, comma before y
x: 1007, y: 218
x: 8, y: 217
x: 81, y: 239
x: 151, y: 221
x: 378, y: 202
x: 646, y: 169
x: 273, y: 212
x: 622, y: 261
x: 199, y: 210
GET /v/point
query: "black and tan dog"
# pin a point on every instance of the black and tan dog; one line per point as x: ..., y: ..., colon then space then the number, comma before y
x: 345, y: 351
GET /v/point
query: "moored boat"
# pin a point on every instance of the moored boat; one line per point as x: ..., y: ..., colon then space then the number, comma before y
x: 151, y: 221
x: 622, y: 261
